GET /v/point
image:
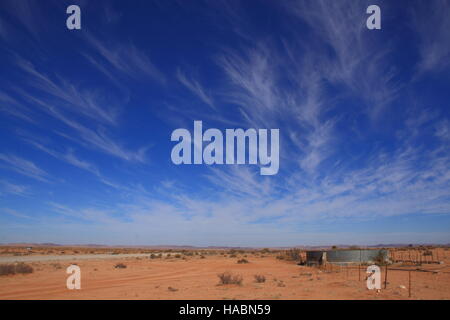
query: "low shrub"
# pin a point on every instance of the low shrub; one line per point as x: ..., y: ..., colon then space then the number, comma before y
x: 6, y: 269
x: 21, y: 268
x: 259, y: 278
x: 120, y: 266
x: 229, y: 278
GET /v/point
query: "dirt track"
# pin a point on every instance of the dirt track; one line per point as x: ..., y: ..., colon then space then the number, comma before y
x: 69, y: 257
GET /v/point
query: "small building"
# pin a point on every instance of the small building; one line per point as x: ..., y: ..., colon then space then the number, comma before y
x: 347, y: 256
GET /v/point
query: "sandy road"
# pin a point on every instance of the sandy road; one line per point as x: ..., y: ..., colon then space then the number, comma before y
x: 72, y: 257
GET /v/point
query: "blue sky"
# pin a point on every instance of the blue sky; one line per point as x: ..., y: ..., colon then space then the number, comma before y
x: 86, y: 117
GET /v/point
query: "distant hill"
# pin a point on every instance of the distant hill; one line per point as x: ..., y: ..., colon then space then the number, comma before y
x: 188, y: 247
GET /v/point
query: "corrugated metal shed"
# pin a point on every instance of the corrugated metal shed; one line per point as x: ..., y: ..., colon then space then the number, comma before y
x: 347, y: 256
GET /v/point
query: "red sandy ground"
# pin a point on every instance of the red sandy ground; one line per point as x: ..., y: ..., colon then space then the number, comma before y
x: 196, y: 278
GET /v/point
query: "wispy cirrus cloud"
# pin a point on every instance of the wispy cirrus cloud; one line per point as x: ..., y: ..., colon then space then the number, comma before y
x: 85, y: 102
x: 15, y: 213
x: 71, y: 158
x: 434, y: 43
x: 13, y: 188
x: 68, y: 156
x: 195, y: 87
x: 341, y: 26
x: 126, y: 59
x: 12, y: 107
x: 313, y: 71
x: 63, y: 99
x: 23, y: 167
x: 27, y: 12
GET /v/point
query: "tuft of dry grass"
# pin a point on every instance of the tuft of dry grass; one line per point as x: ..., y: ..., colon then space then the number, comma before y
x: 229, y: 278
x: 241, y: 261
x: 120, y: 266
x: 281, y: 283
x: 259, y: 278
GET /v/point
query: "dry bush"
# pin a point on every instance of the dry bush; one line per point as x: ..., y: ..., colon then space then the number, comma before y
x: 229, y: 278
x: 120, y: 266
x: 241, y: 261
x: 56, y: 265
x: 172, y: 289
x: 233, y: 256
x: 281, y: 283
x: 259, y: 278
x: 293, y: 254
x: 202, y: 257
x: 23, y: 268
x: 178, y: 255
x: 6, y: 269
x: 428, y: 253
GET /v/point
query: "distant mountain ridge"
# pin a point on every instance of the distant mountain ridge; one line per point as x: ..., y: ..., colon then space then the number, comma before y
x: 188, y: 247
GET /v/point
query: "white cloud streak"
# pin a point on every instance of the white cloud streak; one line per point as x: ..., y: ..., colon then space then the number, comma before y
x: 24, y: 167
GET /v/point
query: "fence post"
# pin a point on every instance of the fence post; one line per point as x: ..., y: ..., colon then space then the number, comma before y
x: 385, y: 276
x: 409, y: 286
x: 359, y: 271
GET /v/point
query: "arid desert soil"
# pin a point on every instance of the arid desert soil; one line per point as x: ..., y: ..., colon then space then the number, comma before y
x: 194, y: 277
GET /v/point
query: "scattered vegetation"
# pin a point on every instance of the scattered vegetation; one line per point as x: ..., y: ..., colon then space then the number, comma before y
x: 380, y: 259
x: 19, y: 268
x: 290, y: 255
x: 241, y: 261
x: 56, y: 265
x: 120, y: 266
x: 259, y: 278
x: 6, y: 269
x: 229, y: 278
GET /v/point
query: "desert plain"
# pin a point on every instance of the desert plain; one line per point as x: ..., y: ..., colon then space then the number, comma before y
x: 196, y: 274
